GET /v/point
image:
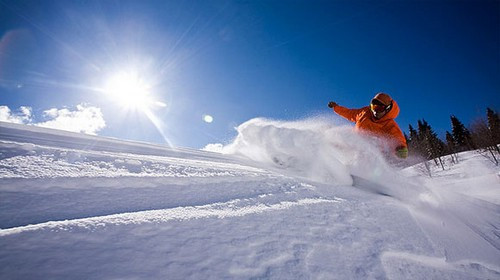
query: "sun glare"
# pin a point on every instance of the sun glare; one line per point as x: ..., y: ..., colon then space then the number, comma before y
x: 129, y: 90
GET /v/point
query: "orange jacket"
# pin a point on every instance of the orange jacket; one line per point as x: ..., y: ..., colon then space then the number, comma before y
x: 385, y: 126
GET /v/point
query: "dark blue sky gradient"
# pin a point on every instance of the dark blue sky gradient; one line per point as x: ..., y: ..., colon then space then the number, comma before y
x: 237, y: 60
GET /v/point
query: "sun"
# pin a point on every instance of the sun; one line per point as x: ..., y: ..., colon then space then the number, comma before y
x: 133, y: 93
x: 129, y: 90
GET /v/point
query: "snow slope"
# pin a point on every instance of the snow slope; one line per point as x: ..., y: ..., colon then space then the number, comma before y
x: 285, y: 200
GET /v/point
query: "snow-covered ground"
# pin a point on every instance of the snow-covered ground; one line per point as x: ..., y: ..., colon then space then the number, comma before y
x: 285, y: 200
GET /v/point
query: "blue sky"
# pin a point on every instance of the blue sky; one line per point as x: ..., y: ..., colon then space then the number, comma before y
x: 236, y: 60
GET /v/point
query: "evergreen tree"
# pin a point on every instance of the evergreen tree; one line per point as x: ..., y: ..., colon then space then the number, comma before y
x: 450, y: 147
x: 413, y: 141
x: 461, y: 135
x: 413, y: 134
x: 483, y: 139
x: 422, y: 137
x: 432, y: 146
x: 450, y: 142
x: 493, y: 125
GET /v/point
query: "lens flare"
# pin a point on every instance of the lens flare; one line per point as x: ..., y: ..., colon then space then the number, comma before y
x: 208, y: 118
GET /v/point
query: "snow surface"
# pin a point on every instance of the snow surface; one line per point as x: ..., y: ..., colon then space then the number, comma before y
x: 284, y: 200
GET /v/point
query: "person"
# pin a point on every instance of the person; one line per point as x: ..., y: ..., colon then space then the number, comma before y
x: 378, y: 119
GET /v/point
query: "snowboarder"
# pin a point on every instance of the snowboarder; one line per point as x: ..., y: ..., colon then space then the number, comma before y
x: 378, y: 118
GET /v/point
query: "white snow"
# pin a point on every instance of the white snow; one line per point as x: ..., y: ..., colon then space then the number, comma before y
x: 286, y: 200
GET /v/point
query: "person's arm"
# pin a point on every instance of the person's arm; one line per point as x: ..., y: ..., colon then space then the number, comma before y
x: 349, y: 114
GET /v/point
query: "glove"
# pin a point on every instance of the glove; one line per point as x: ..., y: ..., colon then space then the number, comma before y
x: 402, y: 152
x: 332, y: 104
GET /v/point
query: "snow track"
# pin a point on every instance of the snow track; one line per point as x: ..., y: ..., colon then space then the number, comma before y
x: 234, y: 208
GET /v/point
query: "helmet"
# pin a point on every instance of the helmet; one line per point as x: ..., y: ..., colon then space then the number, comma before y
x: 380, y: 104
x: 384, y: 98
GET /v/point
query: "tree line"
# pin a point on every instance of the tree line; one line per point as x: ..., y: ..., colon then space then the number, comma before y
x: 482, y: 134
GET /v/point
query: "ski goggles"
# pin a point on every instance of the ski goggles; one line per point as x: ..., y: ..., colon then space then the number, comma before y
x: 379, y: 107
